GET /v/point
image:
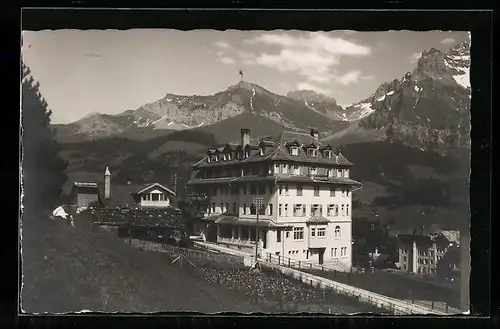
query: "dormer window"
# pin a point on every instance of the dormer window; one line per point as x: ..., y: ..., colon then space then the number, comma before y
x: 294, y: 150
x: 328, y: 154
x: 261, y: 151
x: 312, y: 152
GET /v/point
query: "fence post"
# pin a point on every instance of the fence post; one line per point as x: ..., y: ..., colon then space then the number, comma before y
x: 322, y: 269
x: 310, y: 266
x: 288, y: 262
x: 270, y: 259
x: 446, y: 305
x: 279, y: 258
x: 432, y: 304
x: 299, y: 264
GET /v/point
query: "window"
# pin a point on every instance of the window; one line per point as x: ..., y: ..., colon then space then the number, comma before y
x: 299, y: 190
x: 284, y: 169
x: 330, y: 172
x: 343, y: 251
x: 342, y: 210
x: 346, y: 173
x: 312, y: 152
x: 328, y: 154
x: 221, y: 207
x: 278, y: 235
x: 261, y: 151
x: 280, y: 213
x: 313, y: 231
x: 404, y: 259
x: 213, y: 206
x: 316, y: 191
x: 321, y: 232
x: 337, y: 231
x: 312, y: 171
x: 244, y: 209
x: 298, y: 233
x: 347, y: 209
x: 281, y: 189
x: 287, y: 235
x: 316, y: 209
x: 286, y: 209
x: 262, y: 210
x: 228, y: 156
x: 235, y: 209
x: 335, y: 252
x: 295, y: 170
x: 270, y: 209
x: 294, y: 150
x: 155, y: 197
x: 253, y: 190
x: 276, y: 168
x: 331, y: 209
x: 332, y: 191
x: 331, y: 252
x: 253, y: 209
x: 227, y: 207
x: 336, y: 210
x: 339, y: 173
x: 299, y: 210
x: 286, y: 189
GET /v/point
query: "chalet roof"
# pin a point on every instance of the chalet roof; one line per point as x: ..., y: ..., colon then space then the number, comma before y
x: 145, y: 187
x: 278, y: 150
x: 317, y: 219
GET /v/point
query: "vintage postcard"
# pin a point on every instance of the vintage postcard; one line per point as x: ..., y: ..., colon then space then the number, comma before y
x: 245, y: 171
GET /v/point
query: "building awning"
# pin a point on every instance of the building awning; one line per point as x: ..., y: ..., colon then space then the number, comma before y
x: 316, y: 220
x: 234, y: 220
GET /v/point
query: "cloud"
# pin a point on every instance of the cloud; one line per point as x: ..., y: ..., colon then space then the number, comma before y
x: 448, y: 41
x: 413, y: 58
x: 227, y: 60
x: 312, y: 55
x: 223, y: 44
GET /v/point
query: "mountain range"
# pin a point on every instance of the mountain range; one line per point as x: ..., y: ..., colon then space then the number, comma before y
x: 428, y: 108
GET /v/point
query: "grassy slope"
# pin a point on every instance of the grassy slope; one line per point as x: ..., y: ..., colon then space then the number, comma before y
x: 66, y: 270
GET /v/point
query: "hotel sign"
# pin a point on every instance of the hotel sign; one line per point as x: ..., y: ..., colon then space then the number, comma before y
x: 320, y: 177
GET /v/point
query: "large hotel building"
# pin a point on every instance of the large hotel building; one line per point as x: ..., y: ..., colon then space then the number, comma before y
x: 299, y: 187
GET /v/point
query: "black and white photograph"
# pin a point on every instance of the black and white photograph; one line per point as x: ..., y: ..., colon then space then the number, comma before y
x: 246, y: 171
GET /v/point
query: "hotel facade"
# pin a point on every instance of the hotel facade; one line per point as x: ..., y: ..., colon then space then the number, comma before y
x: 291, y: 193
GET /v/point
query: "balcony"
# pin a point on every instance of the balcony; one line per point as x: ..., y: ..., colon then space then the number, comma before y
x: 317, y: 242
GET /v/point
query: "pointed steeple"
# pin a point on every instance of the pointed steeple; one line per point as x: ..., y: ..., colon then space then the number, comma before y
x: 107, y: 173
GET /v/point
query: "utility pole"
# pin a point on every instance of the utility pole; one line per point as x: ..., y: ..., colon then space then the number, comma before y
x: 258, y: 201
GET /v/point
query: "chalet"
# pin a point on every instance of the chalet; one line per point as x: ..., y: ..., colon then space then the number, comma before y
x: 150, y: 195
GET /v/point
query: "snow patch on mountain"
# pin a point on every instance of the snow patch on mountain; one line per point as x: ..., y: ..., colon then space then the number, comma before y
x: 463, y: 79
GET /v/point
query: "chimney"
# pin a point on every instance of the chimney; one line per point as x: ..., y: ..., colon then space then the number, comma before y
x: 314, y: 133
x: 107, y: 184
x: 245, y: 137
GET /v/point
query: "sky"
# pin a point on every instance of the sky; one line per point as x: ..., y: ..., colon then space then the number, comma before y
x: 111, y: 71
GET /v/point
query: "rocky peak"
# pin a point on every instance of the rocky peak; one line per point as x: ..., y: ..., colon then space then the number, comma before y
x: 310, y: 96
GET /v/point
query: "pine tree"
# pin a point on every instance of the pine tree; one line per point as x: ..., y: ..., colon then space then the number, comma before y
x: 43, y: 168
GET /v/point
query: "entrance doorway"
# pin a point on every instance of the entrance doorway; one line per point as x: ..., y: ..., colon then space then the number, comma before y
x: 321, y: 253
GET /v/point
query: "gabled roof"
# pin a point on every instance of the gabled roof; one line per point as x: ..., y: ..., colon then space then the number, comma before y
x: 145, y: 187
x: 317, y: 220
